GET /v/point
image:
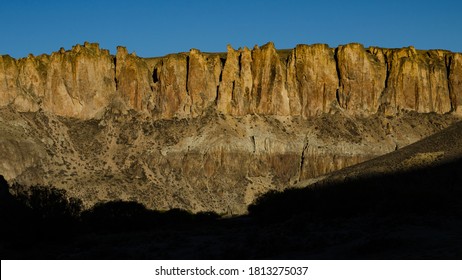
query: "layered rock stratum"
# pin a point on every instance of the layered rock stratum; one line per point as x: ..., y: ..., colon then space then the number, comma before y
x: 212, y: 131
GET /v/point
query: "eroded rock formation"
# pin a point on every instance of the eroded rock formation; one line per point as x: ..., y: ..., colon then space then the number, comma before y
x: 76, y: 83
x: 306, y: 81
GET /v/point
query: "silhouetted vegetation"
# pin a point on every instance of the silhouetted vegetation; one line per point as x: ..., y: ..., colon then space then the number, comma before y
x: 50, y: 204
x: 36, y: 214
x: 46, y: 214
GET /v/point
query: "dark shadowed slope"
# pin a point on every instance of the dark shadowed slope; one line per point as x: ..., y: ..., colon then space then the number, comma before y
x: 435, y: 150
x: 405, y: 205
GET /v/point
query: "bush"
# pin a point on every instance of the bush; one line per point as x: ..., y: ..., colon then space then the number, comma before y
x: 51, y: 204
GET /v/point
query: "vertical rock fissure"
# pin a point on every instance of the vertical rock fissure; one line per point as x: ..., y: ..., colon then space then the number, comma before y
x: 387, y: 74
x: 239, y: 63
x: 114, y: 61
x: 337, y: 68
x: 432, y: 100
x: 452, y: 94
x: 302, y: 159
x: 382, y: 99
x: 233, y: 93
x: 222, y: 65
x: 155, y: 75
x: 217, y: 95
x: 296, y: 81
x: 252, y: 138
x: 187, y: 74
x: 220, y: 80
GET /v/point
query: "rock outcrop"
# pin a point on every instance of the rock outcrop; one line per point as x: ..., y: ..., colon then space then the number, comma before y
x: 362, y: 79
x: 307, y: 81
x: 316, y: 79
x: 418, y: 81
x: 132, y: 79
x: 76, y: 83
x: 454, y: 62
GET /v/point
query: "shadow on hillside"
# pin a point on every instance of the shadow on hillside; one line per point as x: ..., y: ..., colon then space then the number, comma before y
x: 414, y: 215
x: 409, y: 215
x: 43, y: 214
x: 435, y: 190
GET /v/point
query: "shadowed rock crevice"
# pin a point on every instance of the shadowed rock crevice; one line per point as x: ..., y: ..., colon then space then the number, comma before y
x: 155, y: 76
x: 302, y: 160
x: 187, y: 74
x: 337, y: 92
x: 115, y: 76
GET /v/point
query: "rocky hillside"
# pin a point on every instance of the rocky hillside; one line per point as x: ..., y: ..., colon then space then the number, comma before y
x: 205, y: 131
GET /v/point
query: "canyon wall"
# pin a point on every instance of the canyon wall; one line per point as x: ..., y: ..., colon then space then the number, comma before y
x: 306, y: 81
x: 211, y: 132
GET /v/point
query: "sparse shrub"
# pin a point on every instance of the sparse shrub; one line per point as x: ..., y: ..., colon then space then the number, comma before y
x: 50, y: 204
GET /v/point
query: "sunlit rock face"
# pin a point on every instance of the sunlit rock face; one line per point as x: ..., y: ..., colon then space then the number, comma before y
x: 307, y: 81
x: 212, y: 131
x: 76, y: 83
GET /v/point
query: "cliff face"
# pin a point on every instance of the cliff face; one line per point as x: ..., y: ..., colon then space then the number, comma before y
x: 211, y: 132
x: 76, y: 83
x: 306, y: 81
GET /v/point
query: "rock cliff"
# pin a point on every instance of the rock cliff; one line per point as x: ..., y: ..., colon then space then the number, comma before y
x: 212, y: 131
x: 76, y: 83
x: 306, y: 81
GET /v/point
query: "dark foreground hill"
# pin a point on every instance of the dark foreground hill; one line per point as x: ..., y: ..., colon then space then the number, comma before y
x: 405, y: 205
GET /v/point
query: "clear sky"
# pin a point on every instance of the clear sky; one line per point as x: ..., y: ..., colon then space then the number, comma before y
x: 156, y: 28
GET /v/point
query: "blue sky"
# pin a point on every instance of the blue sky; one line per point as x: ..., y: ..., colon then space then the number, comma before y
x: 156, y: 28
